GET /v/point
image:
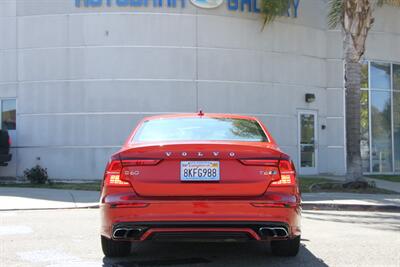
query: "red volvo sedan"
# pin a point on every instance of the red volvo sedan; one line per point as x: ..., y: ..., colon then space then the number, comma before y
x: 200, y: 177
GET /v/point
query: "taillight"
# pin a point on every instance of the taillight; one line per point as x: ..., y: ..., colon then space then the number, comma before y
x: 113, y: 174
x: 260, y: 162
x: 140, y: 162
x: 113, y: 171
x: 9, y: 141
x: 287, y: 173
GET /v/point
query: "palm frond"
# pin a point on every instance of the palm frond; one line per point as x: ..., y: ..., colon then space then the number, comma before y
x: 274, y: 8
x: 388, y: 2
x: 335, y: 15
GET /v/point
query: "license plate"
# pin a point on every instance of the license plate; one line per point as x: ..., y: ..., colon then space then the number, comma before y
x: 192, y: 171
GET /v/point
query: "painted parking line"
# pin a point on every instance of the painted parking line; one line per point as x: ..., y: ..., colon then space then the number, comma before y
x: 50, y: 256
x: 56, y: 258
x: 79, y: 264
x: 15, y: 230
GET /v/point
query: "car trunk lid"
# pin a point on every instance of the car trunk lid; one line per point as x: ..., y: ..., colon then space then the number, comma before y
x: 154, y: 170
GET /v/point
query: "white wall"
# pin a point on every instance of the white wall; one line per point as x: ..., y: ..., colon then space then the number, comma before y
x: 86, y: 76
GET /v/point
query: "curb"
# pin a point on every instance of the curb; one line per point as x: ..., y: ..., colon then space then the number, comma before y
x: 64, y: 208
x: 350, y: 207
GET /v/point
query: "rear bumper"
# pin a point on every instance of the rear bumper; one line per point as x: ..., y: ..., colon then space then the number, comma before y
x: 200, y: 231
x: 225, y: 219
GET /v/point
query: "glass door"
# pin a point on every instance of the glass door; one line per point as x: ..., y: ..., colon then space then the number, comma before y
x: 308, y: 145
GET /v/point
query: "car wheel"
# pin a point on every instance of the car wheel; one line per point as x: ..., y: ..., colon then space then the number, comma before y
x: 113, y: 248
x: 286, y: 248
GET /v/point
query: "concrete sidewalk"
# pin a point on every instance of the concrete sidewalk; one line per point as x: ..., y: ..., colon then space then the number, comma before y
x: 351, y: 201
x: 393, y: 186
x: 33, y: 198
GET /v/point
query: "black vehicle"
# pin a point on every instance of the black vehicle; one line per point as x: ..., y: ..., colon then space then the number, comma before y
x: 5, y: 143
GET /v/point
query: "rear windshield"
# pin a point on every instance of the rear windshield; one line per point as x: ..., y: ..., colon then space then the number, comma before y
x: 200, y: 129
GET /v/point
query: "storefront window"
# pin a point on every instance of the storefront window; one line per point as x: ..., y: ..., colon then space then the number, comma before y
x: 396, y: 116
x: 8, y: 114
x: 381, y: 122
x: 380, y: 117
x: 396, y: 130
x: 380, y: 76
x: 365, y: 131
x: 364, y: 75
x: 396, y: 77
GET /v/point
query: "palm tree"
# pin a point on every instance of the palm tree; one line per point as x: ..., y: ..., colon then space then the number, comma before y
x: 356, y: 19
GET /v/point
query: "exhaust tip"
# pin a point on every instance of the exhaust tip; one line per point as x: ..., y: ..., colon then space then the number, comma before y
x: 267, y: 232
x: 128, y: 233
x: 273, y: 232
x: 120, y: 233
x: 281, y: 232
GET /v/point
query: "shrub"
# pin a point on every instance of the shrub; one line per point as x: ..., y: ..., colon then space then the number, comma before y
x: 36, y: 175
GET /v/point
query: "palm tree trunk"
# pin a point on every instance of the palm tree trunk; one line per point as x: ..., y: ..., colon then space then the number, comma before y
x: 356, y: 23
x: 353, y: 113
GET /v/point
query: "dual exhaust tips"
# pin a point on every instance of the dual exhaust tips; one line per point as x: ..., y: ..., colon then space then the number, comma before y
x: 273, y: 232
x: 137, y: 232
x: 128, y: 233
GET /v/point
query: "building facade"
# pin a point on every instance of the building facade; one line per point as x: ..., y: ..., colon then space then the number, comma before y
x: 77, y: 75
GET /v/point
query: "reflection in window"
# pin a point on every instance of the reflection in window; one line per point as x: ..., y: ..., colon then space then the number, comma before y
x: 198, y: 129
x: 365, y: 131
x: 396, y: 130
x: 380, y: 75
x: 364, y: 75
x: 307, y: 156
x: 381, y: 131
x: 307, y: 140
x: 307, y: 129
x: 8, y: 114
x: 396, y: 77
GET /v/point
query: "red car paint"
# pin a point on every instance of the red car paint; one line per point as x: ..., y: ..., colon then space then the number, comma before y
x: 258, y: 188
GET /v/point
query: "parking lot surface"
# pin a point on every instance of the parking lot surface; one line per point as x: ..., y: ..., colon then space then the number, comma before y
x: 61, y: 238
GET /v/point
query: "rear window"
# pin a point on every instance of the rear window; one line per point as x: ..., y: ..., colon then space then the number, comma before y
x: 200, y: 129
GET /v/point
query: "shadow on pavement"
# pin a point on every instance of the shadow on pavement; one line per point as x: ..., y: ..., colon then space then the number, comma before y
x: 210, y: 254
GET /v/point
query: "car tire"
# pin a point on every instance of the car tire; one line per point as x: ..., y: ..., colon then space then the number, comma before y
x: 286, y: 248
x: 113, y: 248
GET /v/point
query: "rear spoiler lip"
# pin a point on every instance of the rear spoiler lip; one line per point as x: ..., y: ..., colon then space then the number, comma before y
x: 284, y: 157
x: 122, y: 153
x: 239, y: 159
x: 199, y: 142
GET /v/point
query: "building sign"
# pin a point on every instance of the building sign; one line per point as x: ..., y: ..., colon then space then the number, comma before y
x: 252, y: 6
x: 207, y: 3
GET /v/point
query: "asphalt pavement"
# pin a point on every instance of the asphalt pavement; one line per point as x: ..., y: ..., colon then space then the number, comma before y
x: 59, y: 228
x: 70, y: 238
